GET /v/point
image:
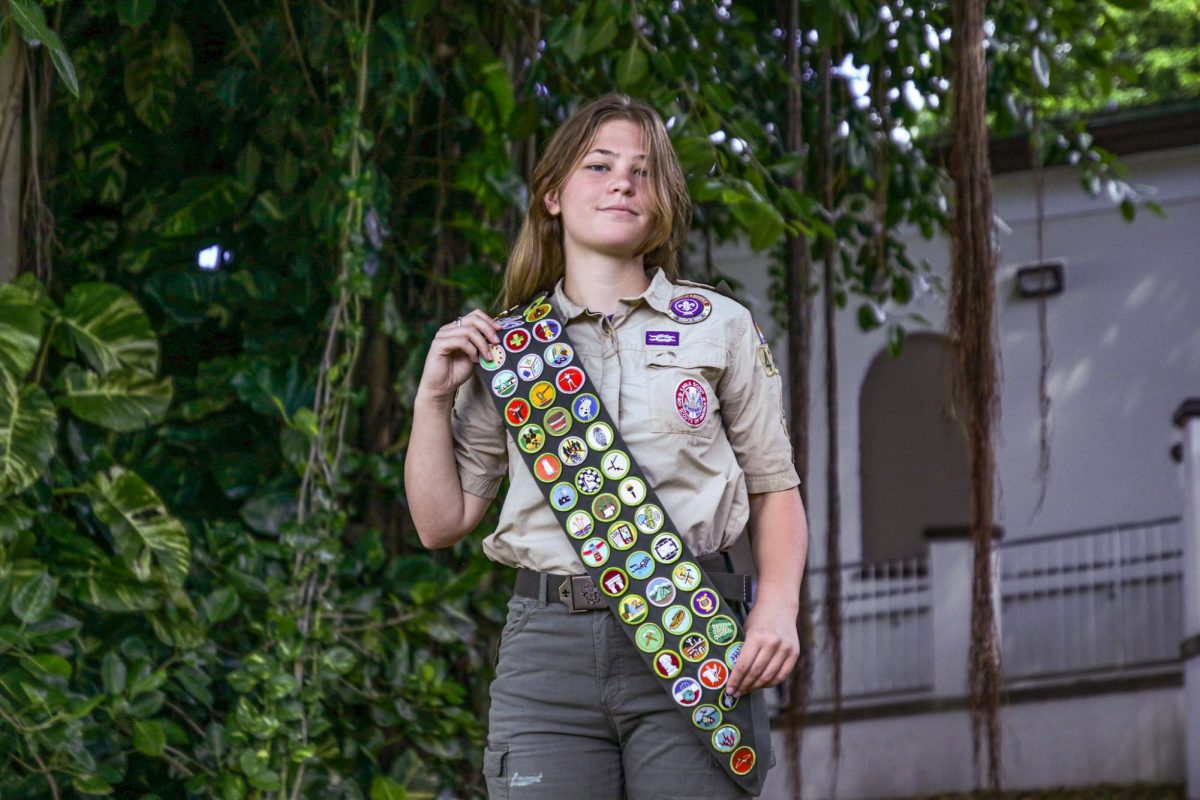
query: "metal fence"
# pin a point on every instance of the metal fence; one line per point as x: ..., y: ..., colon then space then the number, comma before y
x: 1093, y: 600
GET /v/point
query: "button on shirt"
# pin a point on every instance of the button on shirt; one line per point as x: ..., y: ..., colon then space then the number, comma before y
x: 701, y: 466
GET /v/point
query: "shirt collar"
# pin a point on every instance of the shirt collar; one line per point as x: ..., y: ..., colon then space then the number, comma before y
x: 658, y: 295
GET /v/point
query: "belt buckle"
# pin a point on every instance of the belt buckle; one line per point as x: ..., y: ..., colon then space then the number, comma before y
x: 580, y: 594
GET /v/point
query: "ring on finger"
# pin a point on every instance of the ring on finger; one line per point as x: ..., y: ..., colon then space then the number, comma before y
x: 458, y: 322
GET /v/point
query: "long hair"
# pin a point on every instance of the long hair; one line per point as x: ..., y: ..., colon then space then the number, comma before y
x: 537, y: 261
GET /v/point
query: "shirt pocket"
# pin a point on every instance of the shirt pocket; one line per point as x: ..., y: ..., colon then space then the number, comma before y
x: 681, y: 392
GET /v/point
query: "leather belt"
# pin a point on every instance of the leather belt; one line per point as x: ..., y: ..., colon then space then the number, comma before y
x: 579, y: 593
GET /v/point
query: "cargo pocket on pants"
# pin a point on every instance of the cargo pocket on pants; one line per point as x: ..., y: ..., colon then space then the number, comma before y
x: 493, y: 772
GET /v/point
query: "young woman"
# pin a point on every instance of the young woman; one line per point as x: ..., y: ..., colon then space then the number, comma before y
x: 687, y: 378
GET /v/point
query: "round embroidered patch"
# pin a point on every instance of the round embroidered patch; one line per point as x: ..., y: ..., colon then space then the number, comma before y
x: 615, y: 465
x: 686, y: 576
x: 531, y: 438
x: 649, y: 638
x: 559, y: 354
x: 563, y: 496
x: 731, y: 655
x: 705, y: 603
x: 666, y: 548
x: 547, y: 330
x: 579, y: 525
x: 542, y: 394
x: 589, y: 480
x: 706, y: 717
x: 614, y: 582
x: 693, y: 647
x: 690, y: 308
x: 721, y: 629
x: 632, y: 491
x: 517, y: 411
x: 640, y: 564
x: 713, y: 673
x: 677, y: 620
x: 585, y: 407
x: 686, y: 692
x: 667, y: 664
x: 516, y: 341
x: 508, y: 323
x: 504, y: 383
x: 572, y: 451
x: 649, y: 518
x: 660, y: 592
x: 547, y: 467
x: 534, y: 303
x: 570, y: 380
x: 621, y: 535
x: 557, y: 421
x: 599, y: 436
x: 529, y: 367
x: 726, y: 701
x: 606, y: 507
x: 691, y: 402
x: 742, y: 760
x: 537, y: 312
x: 725, y: 738
x: 632, y: 609
x: 594, y: 552
x: 494, y: 359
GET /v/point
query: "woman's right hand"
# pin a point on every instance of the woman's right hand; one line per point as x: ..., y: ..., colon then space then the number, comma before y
x: 456, y: 349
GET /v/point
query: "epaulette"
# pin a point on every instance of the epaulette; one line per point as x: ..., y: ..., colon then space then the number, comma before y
x: 722, y: 287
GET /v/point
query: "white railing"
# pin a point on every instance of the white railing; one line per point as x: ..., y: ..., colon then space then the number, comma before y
x: 1108, y: 599
x: 886, y: 636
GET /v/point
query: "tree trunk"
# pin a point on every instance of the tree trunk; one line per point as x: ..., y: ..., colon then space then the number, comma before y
x: 12, y: 74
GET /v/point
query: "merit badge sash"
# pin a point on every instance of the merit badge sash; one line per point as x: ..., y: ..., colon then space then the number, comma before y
x: 667, y: 605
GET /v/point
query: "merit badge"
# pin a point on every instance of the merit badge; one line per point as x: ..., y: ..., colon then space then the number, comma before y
x: 705, y: 602
x: 721, y: 629
x: 599, y: 436
x: 640, y: 565
x: 660, y: 592
x: 516, y: 341
x: 666, y: 547
x: 557, y: 421
x: 529, y: 367
x: 686, y: 692
x: 667, y: 664
x: 677, y: 620
x: 564, y: 496
x: 649, y: 638
x: 585, y: 407
x: 694, y: 647
x: 725, y: 738
x: 606, y: 507
x: 579, y: 525
x: 534, y: 303
x: 572, y: 451
x: 688, y: 309
x: 731, y: 655
x: 559, y: 355
x: 517, y: 411
x: 595, y: 552
x: 726, y: 701
x: 614, y: 582
x: 537, y: 312
x: 742, y: 760
x: 706, y: 717
x: 632, y: 490
x: 621, y: 535
x: 615, y: 465
x: 494, y: 359
x: 547, y: 467
x: 686, y: 576
x: 508, y: 323
x: 504, y: 383
x: 649, y: 518
x: 691, y: 401
x: 589, y: 480
x: 713, y: 673
x: 542, y: 394
x: 531, y: 438
x: 547, y: 330
x: 632, y: 609
x: 570, y: 380
x: 670, y: 338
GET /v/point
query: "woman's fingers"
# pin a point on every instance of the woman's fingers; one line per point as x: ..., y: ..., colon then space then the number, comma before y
x: 473, y: 334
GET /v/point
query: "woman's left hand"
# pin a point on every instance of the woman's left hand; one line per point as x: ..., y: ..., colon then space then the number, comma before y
x: 770, y: 650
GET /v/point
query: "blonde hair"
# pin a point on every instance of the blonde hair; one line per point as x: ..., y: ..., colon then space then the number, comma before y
x: 536, y: 261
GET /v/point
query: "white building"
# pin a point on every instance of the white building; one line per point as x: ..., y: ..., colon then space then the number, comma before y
x: 1091, y: 588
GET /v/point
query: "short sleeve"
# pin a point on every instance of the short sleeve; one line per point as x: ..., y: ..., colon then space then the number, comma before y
x: 751, y: 394
x: 480, y: 447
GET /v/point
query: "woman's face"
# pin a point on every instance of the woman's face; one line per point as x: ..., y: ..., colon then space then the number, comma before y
x: 605, y: 203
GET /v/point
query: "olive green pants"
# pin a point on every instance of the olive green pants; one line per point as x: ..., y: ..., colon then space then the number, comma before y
x: 576, y: 713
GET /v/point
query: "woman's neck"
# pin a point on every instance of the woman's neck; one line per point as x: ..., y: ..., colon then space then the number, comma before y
x: 598, y: 283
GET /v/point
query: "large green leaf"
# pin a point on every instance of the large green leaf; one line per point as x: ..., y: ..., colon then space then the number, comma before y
x: 140, y: 524
x: 110, y: 328
x: 32, y: 600
x: 28, y: 424
x: 123, y: 400
x: 20, y: 330
x: 202, y: 203
x: 32, y: 22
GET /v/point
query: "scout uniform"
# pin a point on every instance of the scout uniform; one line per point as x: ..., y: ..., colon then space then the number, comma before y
x: 688, y: 379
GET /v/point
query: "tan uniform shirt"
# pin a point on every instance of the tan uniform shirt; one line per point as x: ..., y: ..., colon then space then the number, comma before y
x: 702, y: 467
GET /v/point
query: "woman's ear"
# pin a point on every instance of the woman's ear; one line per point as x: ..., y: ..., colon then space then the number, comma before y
x: 552, y: 204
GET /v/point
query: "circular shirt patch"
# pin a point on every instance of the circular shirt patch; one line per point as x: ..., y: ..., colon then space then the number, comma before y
x: 547, y: 330
x: 606, y: 507
x: 622, y: 535
x: 706, y: 717
x: 632, y: 608
x: 572, y: 451
x: 615, y: 465
x: 589, y: 480
x: 517, y: 411
x: 686, y: 692
x: 537, y: 312
x: 726, y: 701
x: 557, y: 421
x: 667, y: 664
x: 632, y: 491
x: 529, y: 367
x: 677, y: 620
x: 640, y: 564
x: 713, y: 673
x: 742, y: 760
x: 494, y: 359
x: 508, y: 323
x: 599, y: 436
x: 531, y: 438
x: 731, y: 655
x: 686, y: 576
x: 666, y: 548
x: 691, y: 401
x: 725, y: 738
x: 649, y: 518
x: 579, y: 525
x: 660, y: 592
x: 559, y: 354
x: 516, y: 341
x: 504, y: 383
x: 594, y: 552
x: 563, y: 496
x: 721, y: 629
x: 705, y: 602
x: 614, y: 582
x: 649, y: 638
x: 585, y: 407
x: 694, y: 647
x: 690, y: 308
x: 547, y: 467
x: 542, y: 394
x: 570, y: 380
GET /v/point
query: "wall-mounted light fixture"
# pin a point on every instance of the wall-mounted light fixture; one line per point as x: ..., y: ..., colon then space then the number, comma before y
x: 1035, y: 280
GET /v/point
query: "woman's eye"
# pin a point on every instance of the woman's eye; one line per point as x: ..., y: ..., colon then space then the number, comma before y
x: 596, y: 166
